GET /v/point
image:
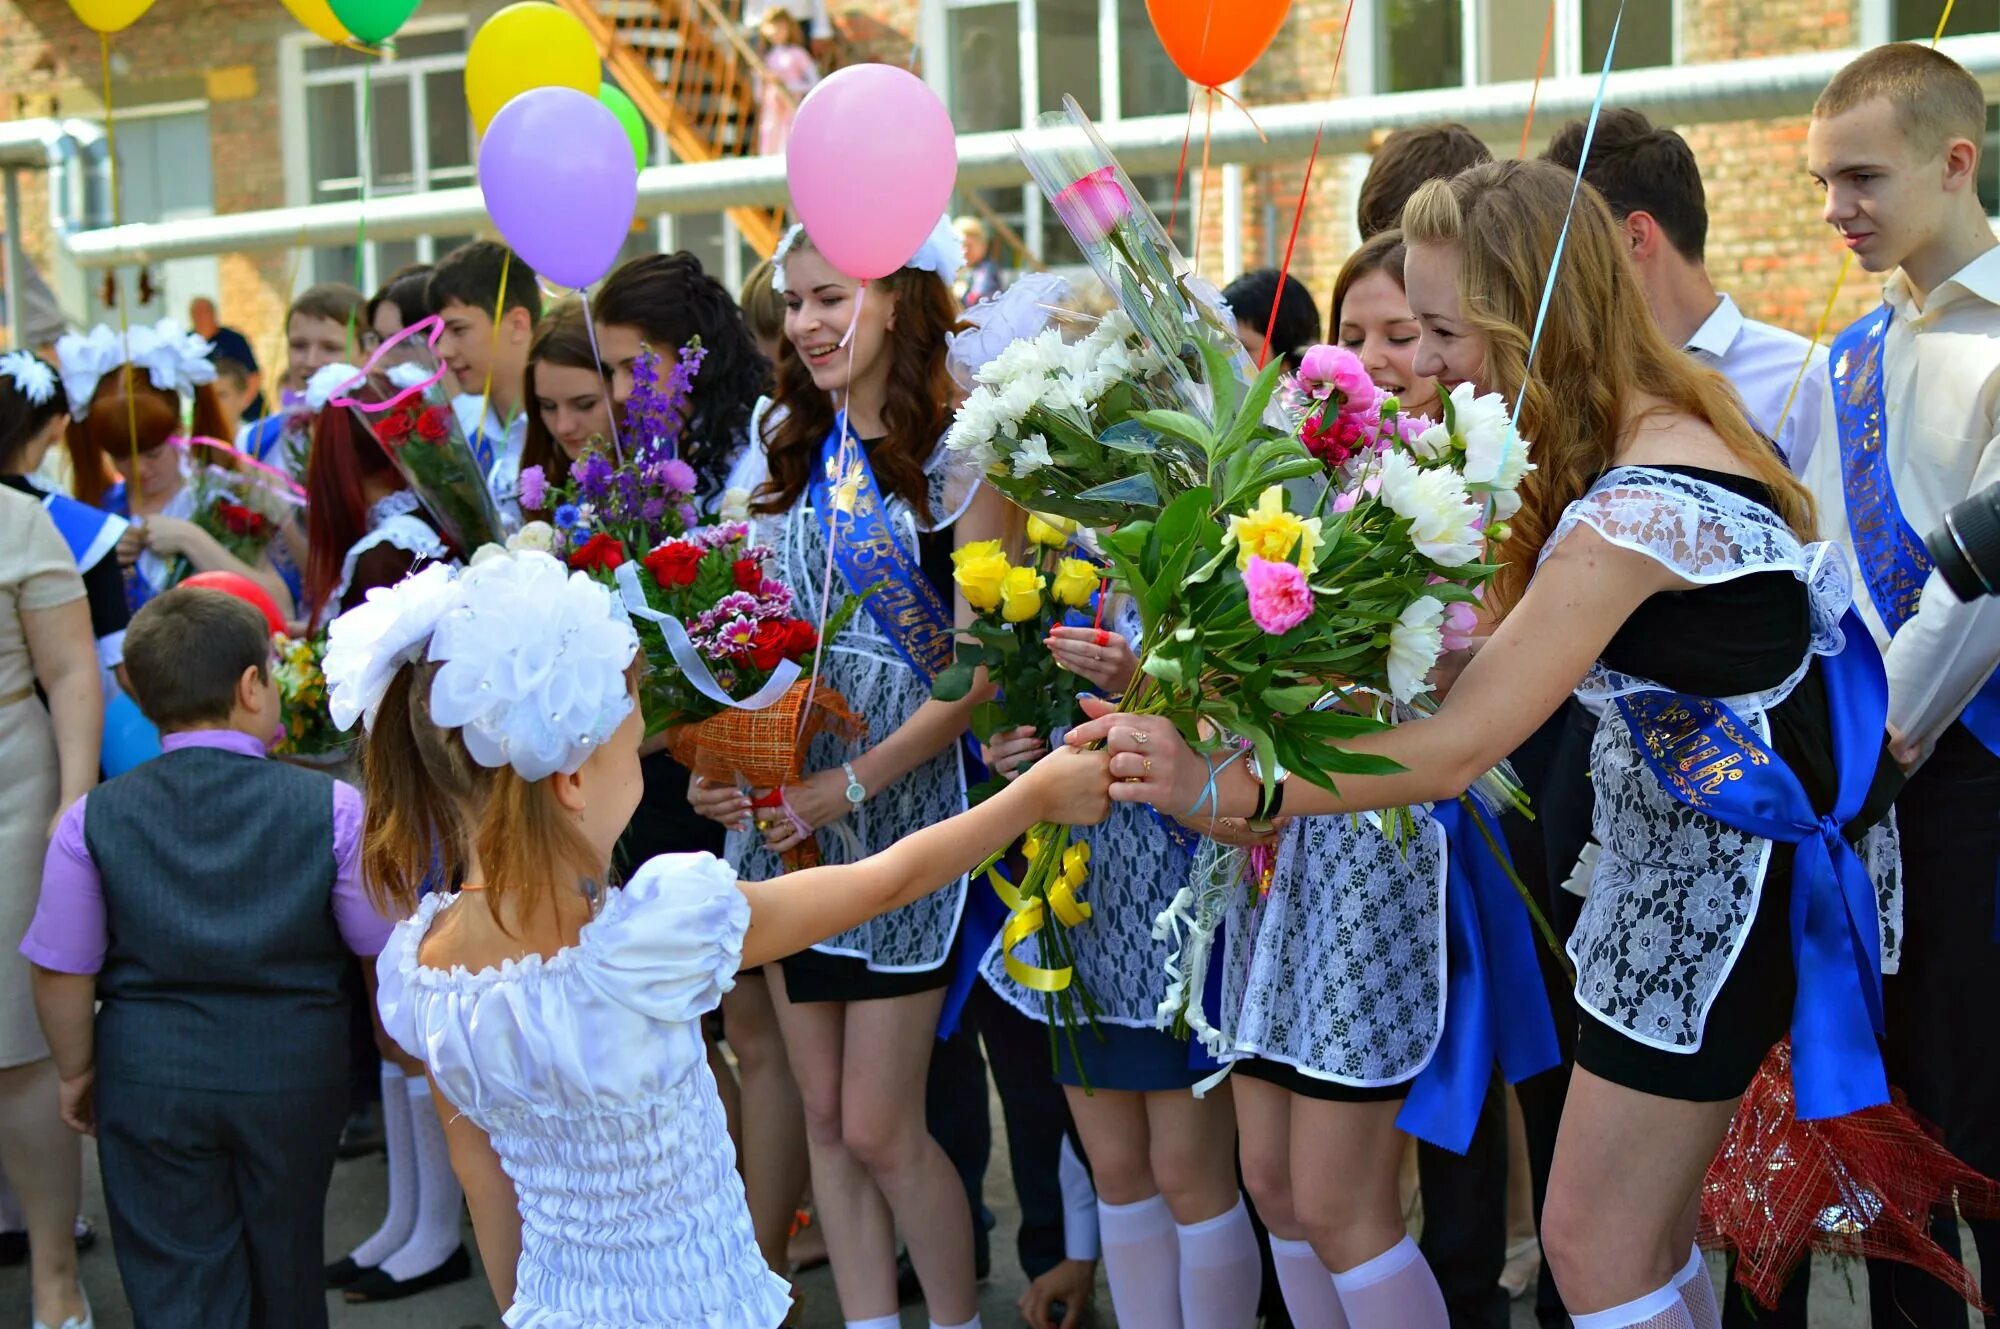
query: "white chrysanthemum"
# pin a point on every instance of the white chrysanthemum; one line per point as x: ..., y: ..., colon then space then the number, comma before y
x: 1444, y: 522
x: 1031, y: 456
x: 1414, y: 644
x: 1018, y: 398
x: 973, y: 428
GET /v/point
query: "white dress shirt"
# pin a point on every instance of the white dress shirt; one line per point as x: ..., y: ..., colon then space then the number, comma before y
x: 1762, y: 362
x: 1941, y: 408
x: 503, y: 477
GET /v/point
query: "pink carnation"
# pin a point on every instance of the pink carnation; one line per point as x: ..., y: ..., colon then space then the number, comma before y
x: 1280, y: 600
x: 1460, y: 620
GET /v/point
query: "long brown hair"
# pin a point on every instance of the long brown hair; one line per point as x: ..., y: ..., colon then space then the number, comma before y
x: 152, y: 416
x: 1600, y: 346
x: 1383, y: 252
x: 917, y: 411
x: 562, y: 338
x: 427, y: 802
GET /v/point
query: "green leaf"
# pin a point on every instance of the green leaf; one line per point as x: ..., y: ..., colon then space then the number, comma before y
x: 1294, y: 699
x: 954, y: 681
x: 1178, y: 424
x: 987, y: 719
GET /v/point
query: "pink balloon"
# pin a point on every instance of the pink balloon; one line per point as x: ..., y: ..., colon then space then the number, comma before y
x: 557, y: 171
x: 871, y: 164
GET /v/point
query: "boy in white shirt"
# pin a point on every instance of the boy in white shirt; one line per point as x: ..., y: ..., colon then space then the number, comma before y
x: 488, y: 362
x: 1908, y: 429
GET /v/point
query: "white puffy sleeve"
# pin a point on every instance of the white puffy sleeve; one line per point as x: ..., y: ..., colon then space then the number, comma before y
x: 395, y: 971
x: 668, y: 944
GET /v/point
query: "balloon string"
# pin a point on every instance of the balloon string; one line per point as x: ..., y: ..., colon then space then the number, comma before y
x: 134, y: 483
x: 1839, y: 281
x: 590, y: 327
x: 1180, y: 171
x: 836, y: 485
x: 1305, y: 191
x: 365, y: 160
x: 493, y: 353
x: 1575, y: 190
x: 1541, y: 67
x: 1223, y: 93
x: 1201, y: 196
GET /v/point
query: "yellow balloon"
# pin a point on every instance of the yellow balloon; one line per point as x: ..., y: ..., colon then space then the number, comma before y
x: 110, y: 15
x: 317, y: 18
x: 524, y: 46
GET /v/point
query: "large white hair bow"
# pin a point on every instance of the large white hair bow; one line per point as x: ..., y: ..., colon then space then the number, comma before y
x: 174, y: 359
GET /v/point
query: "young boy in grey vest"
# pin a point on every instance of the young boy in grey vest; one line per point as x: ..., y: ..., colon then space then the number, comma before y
x: 195, y: 918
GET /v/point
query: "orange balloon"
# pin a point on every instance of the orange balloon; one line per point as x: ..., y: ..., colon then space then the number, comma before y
x: 1214, y: 41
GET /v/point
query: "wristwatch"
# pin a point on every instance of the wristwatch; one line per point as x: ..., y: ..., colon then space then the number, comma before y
x: 857, y: 794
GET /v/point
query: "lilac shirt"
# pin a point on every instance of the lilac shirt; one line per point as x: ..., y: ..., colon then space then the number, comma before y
x: 68, y: 934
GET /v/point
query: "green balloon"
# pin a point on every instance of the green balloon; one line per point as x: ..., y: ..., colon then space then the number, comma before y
x: 628, y: 115
x: 373, y: 21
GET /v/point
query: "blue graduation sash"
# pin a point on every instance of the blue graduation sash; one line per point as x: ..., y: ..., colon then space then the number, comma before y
x: 1496, y: 1005
x: 1709, y: 759
x: 90, y: 533
x: 854, y: 521
x: 1894, y: 560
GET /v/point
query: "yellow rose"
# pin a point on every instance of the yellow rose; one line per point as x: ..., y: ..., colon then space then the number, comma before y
x: 981, y: 578
x: 1021, y: 594
x: 977, y: 549
x: 1053, y: 531
x: 1271, y: 533
x: 1076, y: 581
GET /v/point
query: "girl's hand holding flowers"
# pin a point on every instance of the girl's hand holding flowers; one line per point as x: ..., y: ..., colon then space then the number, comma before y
x: 1012, y: 751
x: 1104, y: 658
x: 719, y: 802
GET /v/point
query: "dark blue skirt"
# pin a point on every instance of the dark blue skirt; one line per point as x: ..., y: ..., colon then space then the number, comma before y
x: 1117, y: 1056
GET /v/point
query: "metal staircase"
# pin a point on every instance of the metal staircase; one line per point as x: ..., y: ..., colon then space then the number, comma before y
x: 687, y: 67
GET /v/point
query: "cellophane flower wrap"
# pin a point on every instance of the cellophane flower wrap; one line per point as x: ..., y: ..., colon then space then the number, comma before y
x: 407, y: 410
x: 242, y: 508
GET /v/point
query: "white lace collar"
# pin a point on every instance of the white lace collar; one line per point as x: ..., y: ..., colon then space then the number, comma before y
x: 399, y: 504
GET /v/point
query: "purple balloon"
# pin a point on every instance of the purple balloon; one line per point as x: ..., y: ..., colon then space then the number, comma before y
x: 557, y: 171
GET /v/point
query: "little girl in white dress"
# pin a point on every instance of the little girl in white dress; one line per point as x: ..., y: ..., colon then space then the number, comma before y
x: 560, y: 1019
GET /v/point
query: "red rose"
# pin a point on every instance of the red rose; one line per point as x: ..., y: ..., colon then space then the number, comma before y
x: 749, y: 575
x: 431, y: 426
x: 393, y: 429
x: 767, y: 648
x: 674, y: 563
x: 600, y: 553
x: 800, y: 638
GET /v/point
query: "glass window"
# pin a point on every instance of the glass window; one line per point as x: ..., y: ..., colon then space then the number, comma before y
x: 1917, y: 21
x: 1645, y: 38
x: 986, y: 68
x: 1510, y: 38
x: 419, y: 137
x: 1421, y: 45
x: 1067, y: 48
x: 1148, y: 82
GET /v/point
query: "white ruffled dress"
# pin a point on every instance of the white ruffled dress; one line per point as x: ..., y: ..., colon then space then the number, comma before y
x: 588, y: 1073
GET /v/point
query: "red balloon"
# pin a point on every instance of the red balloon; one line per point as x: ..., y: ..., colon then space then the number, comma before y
x: 1211, y: 42
x: 244, y: 589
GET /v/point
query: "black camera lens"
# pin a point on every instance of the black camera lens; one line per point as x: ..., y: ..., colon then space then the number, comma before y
x: 1967, y: 546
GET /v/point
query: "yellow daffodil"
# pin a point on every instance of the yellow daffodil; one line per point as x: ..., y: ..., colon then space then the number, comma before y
x: 1076, y: 581
x: 1272, y: 533
x: 981, y: 576
x: 1021, y: 594
x: 1047, y: 529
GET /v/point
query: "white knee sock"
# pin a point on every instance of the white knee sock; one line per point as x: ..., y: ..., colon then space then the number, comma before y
x: 1222, y: 1271
x: 1308, y: 1287
x: 1080, y: 1240
x: 972, y: 1323
x: 435, y: 1228
x: 1142, y: 1262
x: 879, y: 1322
x: 402, y: 1215
x: 1659, y: 1309
x: 1698, y: 1293
x: 1395, y: 1290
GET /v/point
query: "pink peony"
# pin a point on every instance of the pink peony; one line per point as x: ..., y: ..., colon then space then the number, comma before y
x: 1460, y: 620
x: 1093, y: 206
x: 1280, y: 600
x: 1345, y: 500
x: 1326, y: 369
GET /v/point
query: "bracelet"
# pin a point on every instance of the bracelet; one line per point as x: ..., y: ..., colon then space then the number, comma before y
x: 1260, y: 820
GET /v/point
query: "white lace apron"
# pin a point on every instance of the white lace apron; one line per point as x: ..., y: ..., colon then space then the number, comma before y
x: 863, y: 665
x: 1674, y: 891
x: 393, y: 520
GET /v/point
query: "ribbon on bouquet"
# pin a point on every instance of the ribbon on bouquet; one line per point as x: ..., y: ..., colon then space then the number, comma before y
x: 682, y: 648
x: 1496, y: 1005
x: 1025, y: 919
x: 1709, y: 759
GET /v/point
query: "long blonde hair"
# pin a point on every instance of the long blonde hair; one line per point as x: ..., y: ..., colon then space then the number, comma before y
x: 1600, y: 346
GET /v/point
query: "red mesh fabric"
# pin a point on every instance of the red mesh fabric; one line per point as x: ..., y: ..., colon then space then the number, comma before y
x: 1860, y: 1186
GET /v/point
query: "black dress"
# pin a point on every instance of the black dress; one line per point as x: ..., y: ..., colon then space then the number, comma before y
x: 1730, y: 639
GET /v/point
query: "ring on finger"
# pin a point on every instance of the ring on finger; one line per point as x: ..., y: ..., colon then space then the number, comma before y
x: 1147, y: 766
x: 1142, y: 736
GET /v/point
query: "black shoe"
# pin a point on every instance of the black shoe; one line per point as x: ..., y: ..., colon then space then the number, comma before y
x: 362, y: 1135
x: 375, y: 1285
x: 343, y: 1273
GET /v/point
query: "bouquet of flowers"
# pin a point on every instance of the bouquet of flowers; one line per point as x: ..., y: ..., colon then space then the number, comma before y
x: 308, y: 725
x: 241, y: 509
x: 1016, y: 605
x: 406, y: 410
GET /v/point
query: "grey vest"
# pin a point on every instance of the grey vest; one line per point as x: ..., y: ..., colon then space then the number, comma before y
x: 224, y: 966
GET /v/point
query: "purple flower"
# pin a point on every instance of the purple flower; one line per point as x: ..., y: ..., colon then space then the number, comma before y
x: 677, y: 475
x: 689, y: 516
x: 534, y: 489
x: 652, y: 510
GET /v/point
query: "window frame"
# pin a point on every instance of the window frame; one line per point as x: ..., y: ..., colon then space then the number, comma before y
x: 1364, y: 77
x: 296, y: 80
